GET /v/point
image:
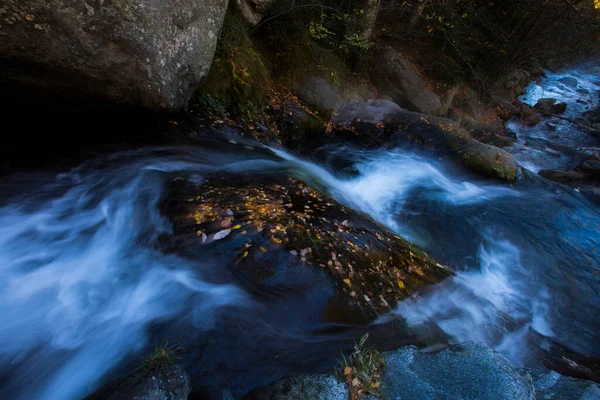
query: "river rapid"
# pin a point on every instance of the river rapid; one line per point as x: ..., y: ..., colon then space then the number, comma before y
x: 85, y: 289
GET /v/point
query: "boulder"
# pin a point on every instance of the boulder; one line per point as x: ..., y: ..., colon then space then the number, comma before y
x: 160, y: 382
x: 446, y: 138
x: 552, y: 385
x: 550, y: 106
x: 319, y: 94
x: 528, y: 116
x: 279, y: 231
x: 465, y: 371
x: 253, y: 10
x: 569, y: 81
x: 384, y: 122
x: 148, y: 53
x: 395, y: 76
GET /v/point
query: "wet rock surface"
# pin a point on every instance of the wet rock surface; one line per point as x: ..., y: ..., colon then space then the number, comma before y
x: 272, y: 224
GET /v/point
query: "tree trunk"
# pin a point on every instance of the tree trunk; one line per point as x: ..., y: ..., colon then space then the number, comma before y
x: 371, y: 10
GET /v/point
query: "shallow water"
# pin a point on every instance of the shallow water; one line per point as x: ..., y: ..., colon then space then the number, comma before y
x: 554, y: 142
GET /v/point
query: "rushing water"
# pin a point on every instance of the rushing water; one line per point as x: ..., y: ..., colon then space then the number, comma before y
x: 553, y: 143
x: 85, y: 288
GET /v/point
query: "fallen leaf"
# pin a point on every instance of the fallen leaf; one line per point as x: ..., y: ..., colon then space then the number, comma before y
x: 222, y: 234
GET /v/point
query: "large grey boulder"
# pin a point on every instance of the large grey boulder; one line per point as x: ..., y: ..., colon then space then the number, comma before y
x: 465, y: 371
x: 151, y: 53
x: 395, y: 76
x: 552, y: 385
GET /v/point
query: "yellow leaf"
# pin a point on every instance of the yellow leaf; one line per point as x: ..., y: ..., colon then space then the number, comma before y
x: 401, y: 284
x: 277, y: 240
x: 262, y: 249
x: 347, y: 282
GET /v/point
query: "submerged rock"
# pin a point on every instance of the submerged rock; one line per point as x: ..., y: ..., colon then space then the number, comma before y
x: 396, y: 77
x: 163, y: 382
x: 274, y: 224
x: 148, y: 53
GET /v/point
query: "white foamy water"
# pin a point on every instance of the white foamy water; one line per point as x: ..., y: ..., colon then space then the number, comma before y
x: 81, y: 280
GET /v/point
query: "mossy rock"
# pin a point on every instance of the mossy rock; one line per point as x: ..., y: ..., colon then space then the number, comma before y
x: 269, y: 225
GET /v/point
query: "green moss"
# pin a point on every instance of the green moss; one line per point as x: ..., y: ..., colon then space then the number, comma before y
x: 238, y: 81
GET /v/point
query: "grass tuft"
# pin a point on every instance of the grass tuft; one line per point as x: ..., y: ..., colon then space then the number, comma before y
x: 361, y: 369
x: 163, y: 354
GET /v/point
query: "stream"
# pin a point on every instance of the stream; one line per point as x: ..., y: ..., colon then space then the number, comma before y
x: 85, y: 289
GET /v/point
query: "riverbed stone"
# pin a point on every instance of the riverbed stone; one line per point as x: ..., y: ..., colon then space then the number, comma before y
x: 464, y: 371
x: 137, y: 52
x: 550, y: 106
x: 528, y: 116
x: 396, y: 77
x: 569, y: 81
x: 554, y: 386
